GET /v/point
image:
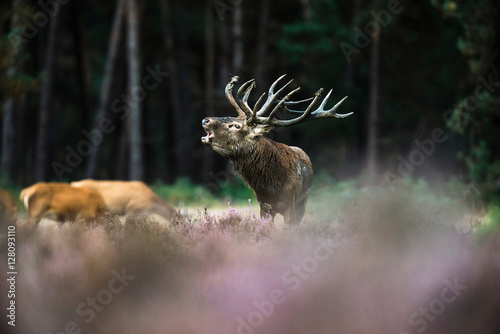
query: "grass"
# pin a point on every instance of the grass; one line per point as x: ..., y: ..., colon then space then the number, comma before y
x: 184, y: 193
x: 490, y: 224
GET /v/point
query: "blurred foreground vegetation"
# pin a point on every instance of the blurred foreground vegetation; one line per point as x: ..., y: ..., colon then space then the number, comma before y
x: 361, y: 253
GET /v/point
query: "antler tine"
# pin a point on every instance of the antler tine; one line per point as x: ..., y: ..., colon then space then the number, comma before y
x: 292, y: 103
x: 243, y: 94
x: 323, y: 103
x: 272, y: 95
x: 245, y: 87
x: 305, y: 115
x: 286, y: 104
x: 308, y: 114
x: 254, y: 116
x: 230, y: 97
x: 258, y: 102
x: 341, y: 115
x: 280, y: 103
x: 321, y: 112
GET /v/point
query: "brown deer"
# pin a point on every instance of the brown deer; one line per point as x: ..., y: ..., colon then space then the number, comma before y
x: 62, y: 202
x: 128, y: 197
x: 280, y: 175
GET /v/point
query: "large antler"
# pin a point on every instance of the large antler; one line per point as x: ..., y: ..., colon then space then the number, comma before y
x: 256, y: 116
x: 229, y: 95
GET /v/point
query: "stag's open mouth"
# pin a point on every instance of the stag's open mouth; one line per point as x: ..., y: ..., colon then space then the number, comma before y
x: 208, y: 138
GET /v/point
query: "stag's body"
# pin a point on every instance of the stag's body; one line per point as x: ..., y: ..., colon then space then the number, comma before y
x: 280, y: 175
x: 286, y: 189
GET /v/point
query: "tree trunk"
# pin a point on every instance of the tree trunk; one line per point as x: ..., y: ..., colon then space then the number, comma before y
x: 184, y: 143
x: 12, y: 108
x: 351, y: 65
x: 9, y: 137
x: 47, y: 101
x: 360, y: 141
x: 372, y: 128
x: 260, y: 71
x: 238, y: 39
x: 208, y: 156
x: 122, y: 161
x: 109, y: 74
x: 80, y: 65
x: 306, y: 8
x: 182, y: 159
x: 225, y: 49
x: 134, y: 85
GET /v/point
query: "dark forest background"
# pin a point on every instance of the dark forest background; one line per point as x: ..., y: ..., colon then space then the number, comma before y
x: 410, y: 68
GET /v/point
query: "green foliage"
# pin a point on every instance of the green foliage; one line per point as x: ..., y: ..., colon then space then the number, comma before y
x: 12, y: 53
x: 316, y: 41
x: 445, y: 203
x: 490, y: 224
x: 479, y: 163
x: 474, y: 115
x: 183, y: 192
x: 236, y: 191
x: 416, y: 86
x: 15, y: 191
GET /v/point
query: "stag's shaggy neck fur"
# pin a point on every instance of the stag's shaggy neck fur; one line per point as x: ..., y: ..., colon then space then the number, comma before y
x: 266, y: 166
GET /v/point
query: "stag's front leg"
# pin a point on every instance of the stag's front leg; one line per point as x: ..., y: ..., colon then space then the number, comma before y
x: 266, y: 210
x: 295, y: 212
x: 298, y: 212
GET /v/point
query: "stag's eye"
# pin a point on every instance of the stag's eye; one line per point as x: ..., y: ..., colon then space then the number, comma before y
x: 236, y: 126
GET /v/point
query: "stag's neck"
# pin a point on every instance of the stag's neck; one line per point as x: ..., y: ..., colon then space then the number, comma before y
x: 264, y: 165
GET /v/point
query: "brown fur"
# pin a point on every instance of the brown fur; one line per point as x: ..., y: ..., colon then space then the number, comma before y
x: 8, y: 207
x: 124, y: 197
x: 62, y: 202
x: 280, y: 175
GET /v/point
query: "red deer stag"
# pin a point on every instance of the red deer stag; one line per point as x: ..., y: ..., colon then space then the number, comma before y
x: 280, y: 175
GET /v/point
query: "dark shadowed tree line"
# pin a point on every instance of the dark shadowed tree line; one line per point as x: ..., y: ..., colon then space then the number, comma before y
x: 118, y: 89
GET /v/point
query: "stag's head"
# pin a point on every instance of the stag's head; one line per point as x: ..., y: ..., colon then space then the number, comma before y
x: 227, y: 135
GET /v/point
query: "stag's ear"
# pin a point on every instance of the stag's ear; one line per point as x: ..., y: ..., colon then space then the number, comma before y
x: 261, y: 129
